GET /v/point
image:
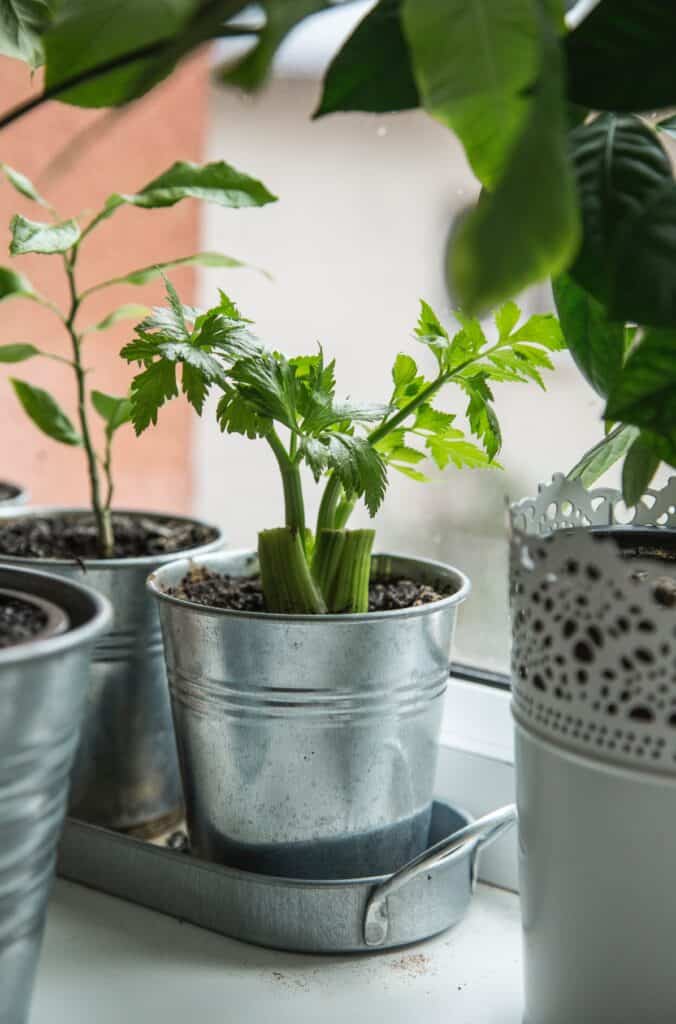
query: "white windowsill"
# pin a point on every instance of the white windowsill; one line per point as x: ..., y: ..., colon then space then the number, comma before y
x: 108, y: 961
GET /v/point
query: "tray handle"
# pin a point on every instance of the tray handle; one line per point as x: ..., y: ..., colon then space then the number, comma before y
x: 482, y: 832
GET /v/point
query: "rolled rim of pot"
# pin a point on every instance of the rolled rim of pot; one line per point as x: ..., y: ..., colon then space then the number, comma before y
x: 16, y: 496
x: 429, y: 571
x: 89, y: 613
x: 140, y: 561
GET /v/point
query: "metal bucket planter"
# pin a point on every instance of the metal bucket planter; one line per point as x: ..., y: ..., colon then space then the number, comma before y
x: 42, y: 701
x: 594, y: 671
x: 11, y: 495
x: 126, y: 772
x: 308, y: 744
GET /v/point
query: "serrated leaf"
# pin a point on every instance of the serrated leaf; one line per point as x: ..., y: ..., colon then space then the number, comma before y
x: 542, y: 328
x: 413, y: 474
x: 640, y: 466
x: 19, y: 181
x: 461, y: 453
x: 431, y: 332
x: 429, y: 419
x: 217, y: 182
x: 517, y: 363
x: 36, y: 236
x: 506, y: 318
x: 644, y: 394
x: 403, y: 453
x: 17, y: 352
x: 236, y: 416
x: 599, y: 459
x: 22, y: 23
x: 13, y: 285
x: 195, y: 386
x: 280, y: 18
x: 404, y: 370
x: 115, y: 412
x: 481, y: 415
x: 150, y: 389
x: 372, y: 72
x: 46, y: 413
x: 596, y: 343
x: 126, y: 312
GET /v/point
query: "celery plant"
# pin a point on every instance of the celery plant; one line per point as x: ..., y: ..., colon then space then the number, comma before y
x: 291, y: 403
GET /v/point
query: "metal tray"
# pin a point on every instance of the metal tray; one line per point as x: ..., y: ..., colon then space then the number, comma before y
x: 427, y: 896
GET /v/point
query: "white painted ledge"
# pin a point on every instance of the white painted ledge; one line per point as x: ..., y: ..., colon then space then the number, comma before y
x: 108, y: 961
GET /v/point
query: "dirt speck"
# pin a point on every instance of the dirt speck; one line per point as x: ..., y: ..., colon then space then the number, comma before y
x: 413, y: 965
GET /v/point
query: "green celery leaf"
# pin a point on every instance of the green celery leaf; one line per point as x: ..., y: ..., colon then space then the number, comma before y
x: 639, y: 468
x: 506, y: 318
x: 599, y: 459
x: 35, y: 236
x: 461, y: 453
x: 432, y: 421
x: 46, y: 413
x: 19, y: 181
x: 280, y: 18
x: 404, y: 370
x: 22, y: 23
x: 360, y: 468
x: 620, y: 57
x: 413, y: 474
x: 481, y: 415
x: 528, y: 226
x: 115, y: 412
x: 644, y: 394
x: 150, y: 389
x: 17, y: 352
x: 596, y: 343
x: 403, y: 453
x: 237, y: 416
x: 543, y: 329
x: 372, y: 72
x: 473, y: 62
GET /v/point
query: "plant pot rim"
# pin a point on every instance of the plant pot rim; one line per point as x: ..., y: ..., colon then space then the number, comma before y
x: 138, y: 561
x: 16, y: 489
x: 217, y: 560
x: 57, y: 618
x: 98, y: 619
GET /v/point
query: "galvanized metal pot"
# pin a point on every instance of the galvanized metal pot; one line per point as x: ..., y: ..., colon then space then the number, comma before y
x: 308, y: 744
x: 42, y: 702
x: 18, y: 495
x: 126, y: 772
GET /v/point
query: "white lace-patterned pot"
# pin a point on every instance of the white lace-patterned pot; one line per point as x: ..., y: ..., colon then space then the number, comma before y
x: 594, y: 702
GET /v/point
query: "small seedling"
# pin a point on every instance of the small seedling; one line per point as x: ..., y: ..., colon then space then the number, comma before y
x: 217, y: 183
x: 291, y: 403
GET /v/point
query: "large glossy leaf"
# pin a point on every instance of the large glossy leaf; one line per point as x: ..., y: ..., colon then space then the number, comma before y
x: 22, y: 23
x: 280, y: 18
x: 473, y: 61
x: 87, y: 34
x: 14, y: 286
x: 628, y: 201
x: 596, y: 343
x: 372, y: 72
x: 621, y: 57
x: 528, y: 226
x: 645, y: 392
x: 639, y: 468
x: 46, y: 413
x: 37, y: 236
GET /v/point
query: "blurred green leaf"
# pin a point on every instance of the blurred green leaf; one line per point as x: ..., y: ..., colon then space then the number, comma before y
x: 46, y: 413
x: 599, y: 459
x: 36, y: 236
x: 645, y: 392
x: 280, y: 18
x: 22, y: 184
x: 372, y: 72
x: 17, y: 352
x: 14, y: 285
x: 596, y: 343
x: 115, y: 412
x: 126, y: 312
x: 22, y: 23
x: 146, y: 274
x: 639, y: 468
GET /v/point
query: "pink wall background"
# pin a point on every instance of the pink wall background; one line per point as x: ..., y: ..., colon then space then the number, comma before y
x: 130, y: 149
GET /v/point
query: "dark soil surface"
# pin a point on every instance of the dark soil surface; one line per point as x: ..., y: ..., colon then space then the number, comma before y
x: 244, y: 594
x: 7, y: 492
x: 74, y: 536
x: 19, y: 621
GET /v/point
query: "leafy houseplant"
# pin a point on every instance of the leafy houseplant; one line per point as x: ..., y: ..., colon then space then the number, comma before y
x: 301, y: 699
x: 126, y: 772
x: 217, y: 183
x: 351, y: 445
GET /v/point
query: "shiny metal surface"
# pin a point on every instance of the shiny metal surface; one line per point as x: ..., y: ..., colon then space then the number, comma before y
x: 478, y: 834
x: 308, y: 744
x: 126, y: 772
x: 42, y: 701
x: 57, y: 619
x: 300, y: 915
x: 19, y: 497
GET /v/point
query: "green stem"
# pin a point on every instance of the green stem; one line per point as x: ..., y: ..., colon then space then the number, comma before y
x: 288, y: 586
x: 326, y: 517
x: 329, y: 546
x: 349, y: 587
x: 102, y: 514
x: 294, y: 507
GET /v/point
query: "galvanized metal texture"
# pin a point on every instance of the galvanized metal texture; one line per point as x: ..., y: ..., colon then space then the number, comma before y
x: 56, y: 621
x: 126, y: 772
x: 303, y: 916
x: 42, y: 701
x: 308, y: 743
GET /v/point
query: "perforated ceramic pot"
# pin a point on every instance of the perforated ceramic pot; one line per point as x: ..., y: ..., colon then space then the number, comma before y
x: 594, y: 677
